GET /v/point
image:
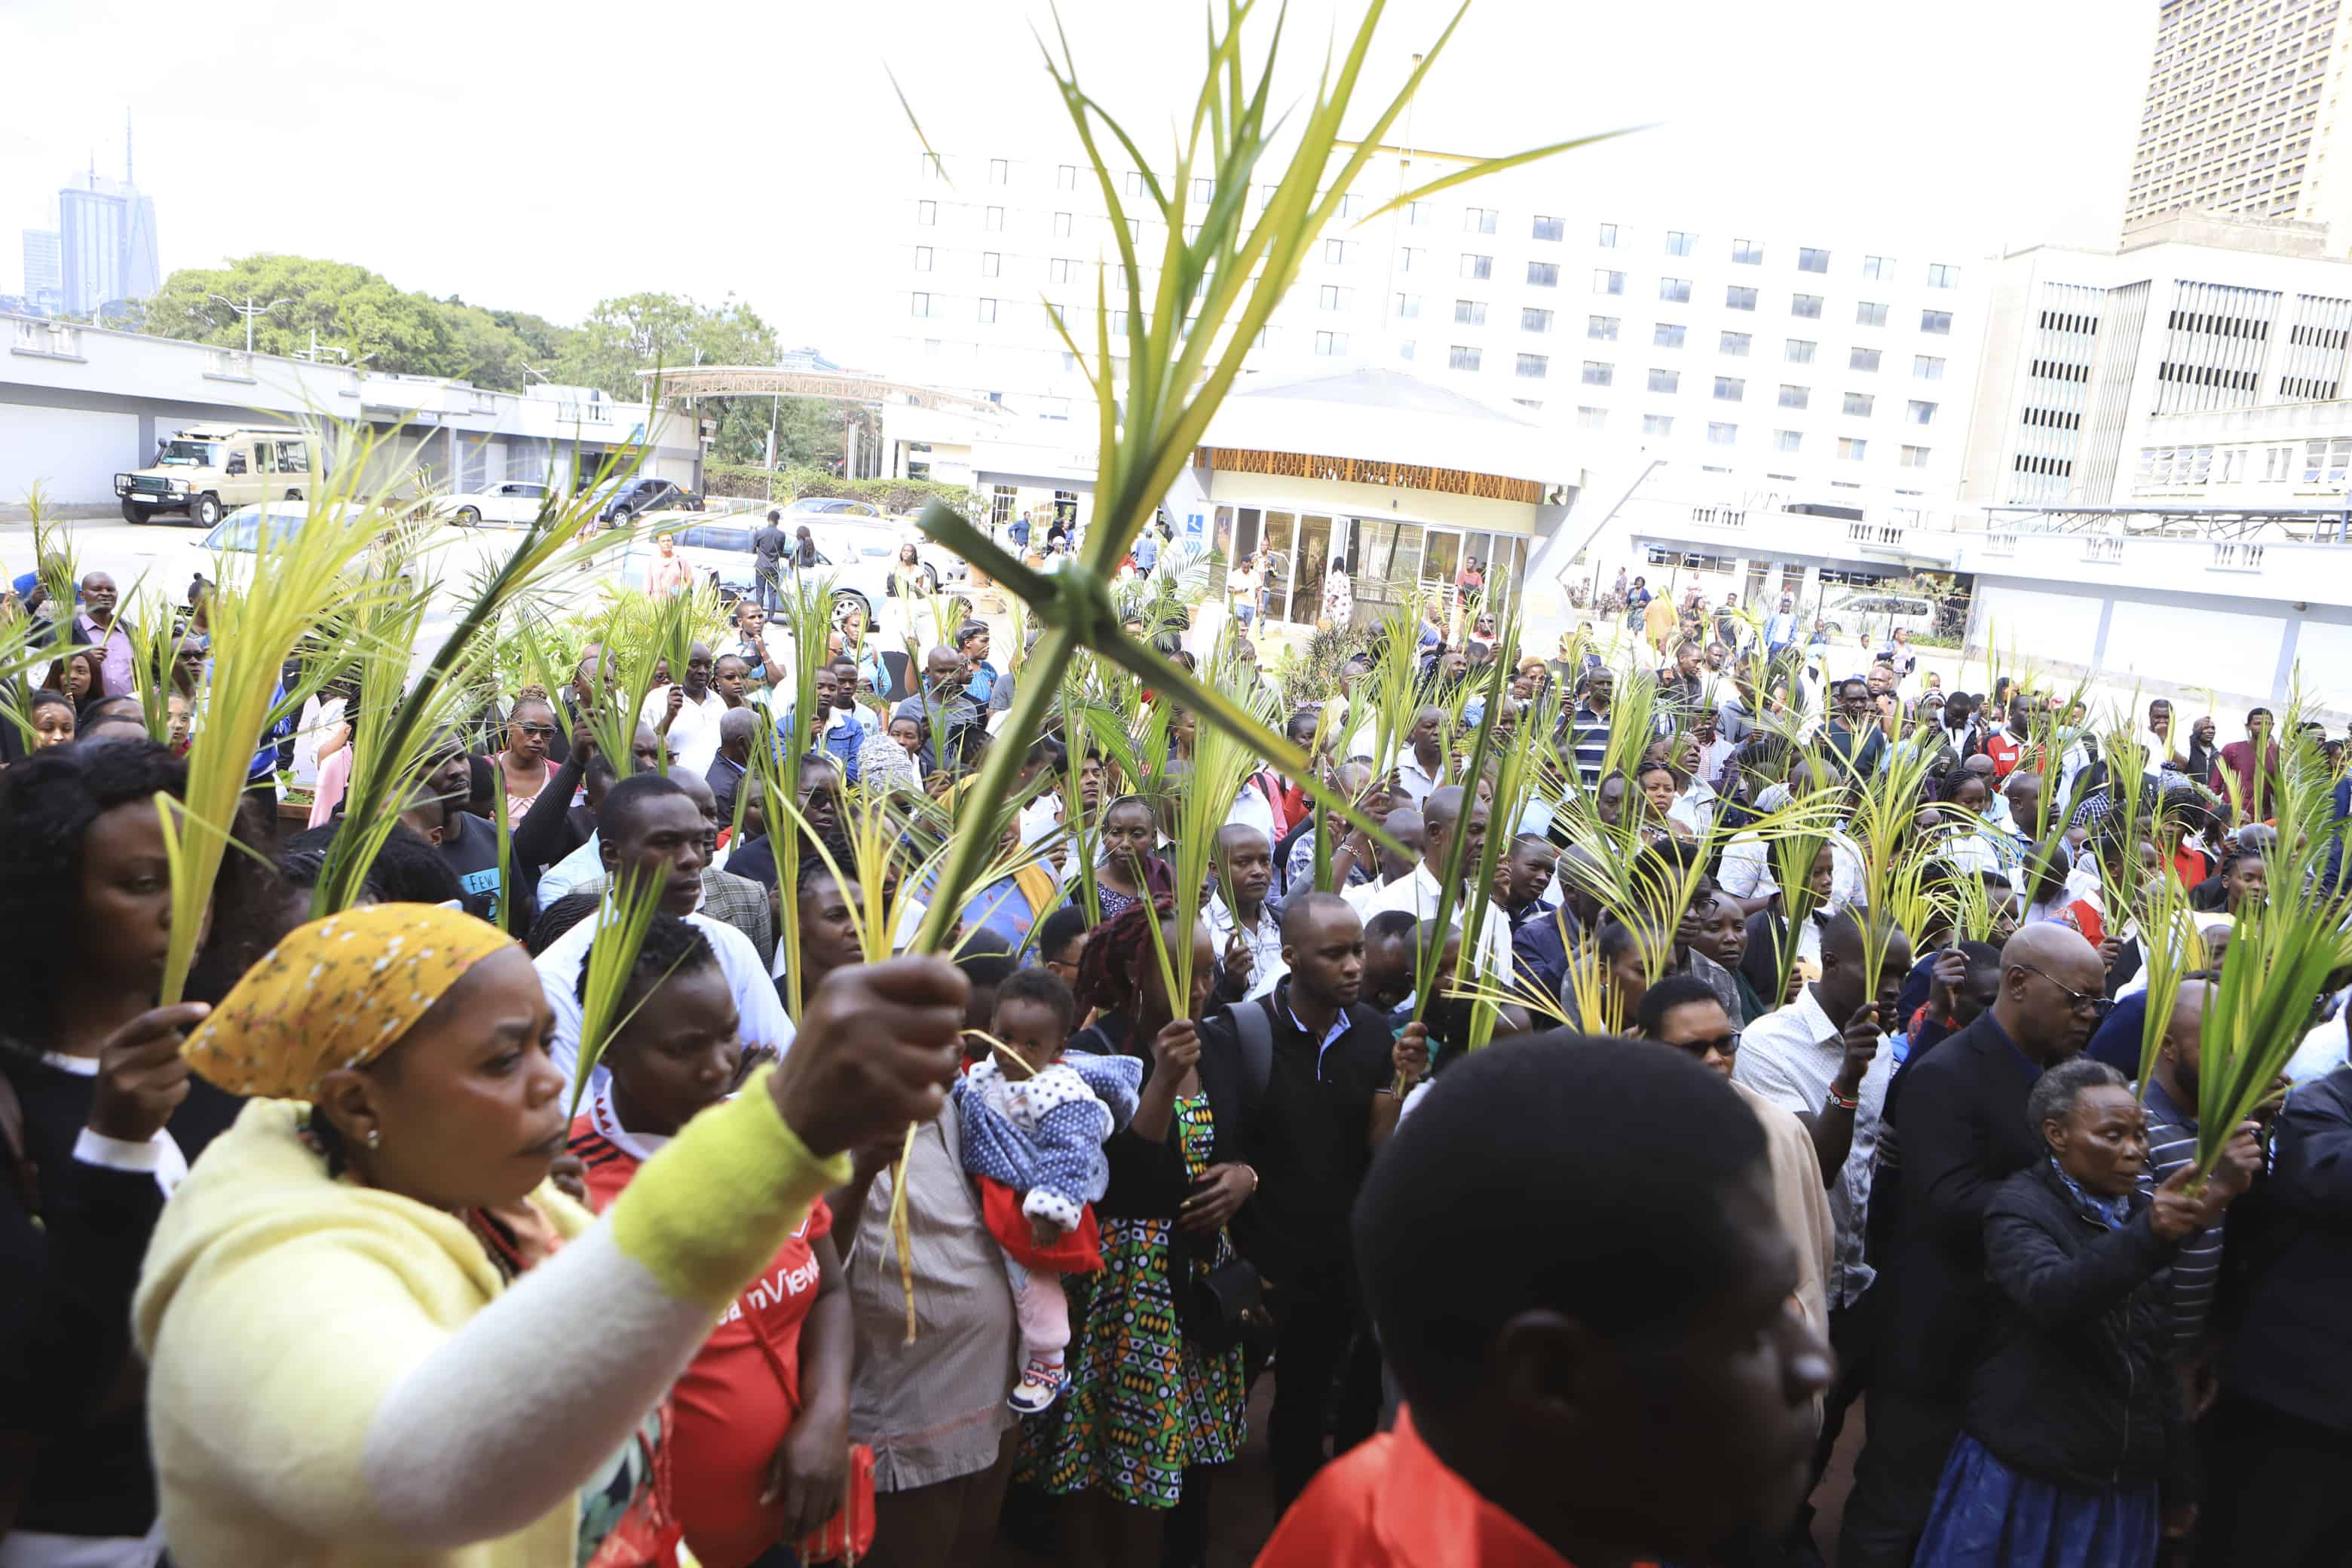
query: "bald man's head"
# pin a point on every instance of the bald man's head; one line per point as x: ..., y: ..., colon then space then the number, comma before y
x: 2053, y: 988
x: 736, y: 728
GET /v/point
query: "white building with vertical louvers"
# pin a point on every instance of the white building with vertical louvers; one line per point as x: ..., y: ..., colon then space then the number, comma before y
x: 2205, y: 364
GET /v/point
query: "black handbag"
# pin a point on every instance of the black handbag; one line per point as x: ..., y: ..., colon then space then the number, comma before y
x: 1210, y: 1306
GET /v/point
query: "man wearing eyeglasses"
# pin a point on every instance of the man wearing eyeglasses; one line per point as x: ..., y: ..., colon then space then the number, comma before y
x: 1960, y: 1114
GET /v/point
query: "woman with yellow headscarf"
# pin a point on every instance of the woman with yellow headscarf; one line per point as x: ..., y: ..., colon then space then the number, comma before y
x: 370, y: 1322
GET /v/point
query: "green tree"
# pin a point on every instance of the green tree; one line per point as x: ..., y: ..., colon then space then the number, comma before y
x: 348, y: 307
x: 660, y: 331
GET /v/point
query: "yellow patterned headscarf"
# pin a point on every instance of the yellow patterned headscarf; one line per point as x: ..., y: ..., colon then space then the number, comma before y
x: 334, y: 993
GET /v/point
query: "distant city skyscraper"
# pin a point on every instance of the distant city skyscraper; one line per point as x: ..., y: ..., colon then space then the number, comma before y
x: 44, y: 276
x: 103, y: 249
x: 2241, y: 114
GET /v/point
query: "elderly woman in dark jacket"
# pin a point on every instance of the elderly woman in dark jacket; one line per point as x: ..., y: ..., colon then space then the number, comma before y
x: 2074, y: 1449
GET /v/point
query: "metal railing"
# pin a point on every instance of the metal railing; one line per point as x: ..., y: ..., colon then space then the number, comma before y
x: 48, y: 340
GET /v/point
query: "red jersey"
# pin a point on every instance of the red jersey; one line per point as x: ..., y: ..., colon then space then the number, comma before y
x: 2004, y: 748
x: 1392, y: 1503
x: 742, y: 1393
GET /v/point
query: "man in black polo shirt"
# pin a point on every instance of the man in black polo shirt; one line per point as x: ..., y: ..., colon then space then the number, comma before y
x: 1328, y: 1101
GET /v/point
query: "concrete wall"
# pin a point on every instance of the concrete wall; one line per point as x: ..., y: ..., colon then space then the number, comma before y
x: 71, y: 454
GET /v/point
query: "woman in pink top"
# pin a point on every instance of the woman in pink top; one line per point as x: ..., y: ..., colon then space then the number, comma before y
x: 670, y: 574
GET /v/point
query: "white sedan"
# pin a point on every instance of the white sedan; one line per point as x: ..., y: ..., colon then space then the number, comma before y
x: 516, y: 502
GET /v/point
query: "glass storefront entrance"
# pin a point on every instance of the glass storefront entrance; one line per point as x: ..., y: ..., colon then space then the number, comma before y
x: 1388, y: 561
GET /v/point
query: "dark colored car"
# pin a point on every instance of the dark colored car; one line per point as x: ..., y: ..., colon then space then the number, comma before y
x: 634, y: 498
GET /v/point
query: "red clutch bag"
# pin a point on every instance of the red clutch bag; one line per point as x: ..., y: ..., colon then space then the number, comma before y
x: 849, y: 1535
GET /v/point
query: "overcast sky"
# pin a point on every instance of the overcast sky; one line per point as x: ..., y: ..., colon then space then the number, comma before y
x: 541, y: 158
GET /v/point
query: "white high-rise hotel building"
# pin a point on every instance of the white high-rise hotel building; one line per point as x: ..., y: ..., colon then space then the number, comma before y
x: 1789, y: 359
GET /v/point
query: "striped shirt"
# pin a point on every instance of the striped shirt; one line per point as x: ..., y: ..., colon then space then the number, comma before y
x: 1590, y: 738
x: 2196, y: 1267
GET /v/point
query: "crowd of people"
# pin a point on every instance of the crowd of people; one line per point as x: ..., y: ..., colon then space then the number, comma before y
x: 356, y: 1254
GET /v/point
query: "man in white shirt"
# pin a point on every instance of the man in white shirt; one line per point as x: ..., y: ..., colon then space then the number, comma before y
x: 686, y: 714
x: 1403, y: 824
x: 1442, y: 814
x: 651, y: 827
x: 1825, y: 1060
x: 1422, y: 766
x: 1247, y: 936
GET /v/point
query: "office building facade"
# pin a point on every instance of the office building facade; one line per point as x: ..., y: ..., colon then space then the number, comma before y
x: 1787, y: 363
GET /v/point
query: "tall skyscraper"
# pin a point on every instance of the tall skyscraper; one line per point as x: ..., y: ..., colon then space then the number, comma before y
x: 2241, y: 114
x: 105, y: 241
x: 44, y: 280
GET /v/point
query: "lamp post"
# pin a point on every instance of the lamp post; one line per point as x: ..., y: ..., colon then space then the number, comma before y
x: 250, y: 309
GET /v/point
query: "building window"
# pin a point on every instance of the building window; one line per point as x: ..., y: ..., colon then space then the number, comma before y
x: 1851, y: 448
x: 1461, y: 356
x: 1915, y: 456
x: 1796, y: 396
x: 1936, y: 321
x: 930, y: 167
x: 1878, y: 266
x: 1335, y: 252
x: 1926, y: 367
x: 991, y: 264
x: 992, y: 220
x: 922, y: 258
x: 988, y: 314
x: 1135, y: 183
x: 1543, y: 274
x: 1411, y: 257
x: 1735, y: 344
x: 1534, y: 367
x: 1666, y: 380
x: 1921, y: 413
x: 1587, y: 418
x: 1674, y: 290
x: 1799, y: 351
x: 1680, y: 244
x: 1657, y: 423
x: 1469, y: 312
x: 1729, y: 389
x: 1597, y: 373
x: 1549, y: 228
x: 1806, y: 305
x: 1788, y: 440
x: 998, y: 171
x: 1736, y: 297
x: 1861, y: 359
x: 1809, y: 259
x: 1941, y: 274
x: 1061, y: 226
x: 1479, y: 220
x: 1061, y: 269
x: 1332, y: 298
x: 1869, y: 314
x: 1067, y: 177
x: 1666, y: 335
x: 1534, y: 320
x: 1419, y: 214
x: 1478, y: 268
x: 1404, y: 349
x: 1601, y: 327
x: 1330, y: 344
x: 1747, y: 252
x: 1722, y: 435
x: 1607, y: 282
x: 1605, y: 237
x: 926, y: 214
x: 1204, y: 189
x: 922, y: 304
x: 1534, y: 403
x: 1408, y: 306
x: 1859, y: 403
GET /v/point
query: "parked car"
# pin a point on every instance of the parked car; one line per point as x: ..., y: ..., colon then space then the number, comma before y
x: 832, y: 509
x: 1873, y: 617
x: 265, y: 523
x: 855, y: 562
x: 516, y: 502
x: 205, y: 469
x: 619, y: 501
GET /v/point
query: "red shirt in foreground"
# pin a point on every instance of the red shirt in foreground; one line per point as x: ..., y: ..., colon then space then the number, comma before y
x: 1392, y: 1503
x: 742, y: 1393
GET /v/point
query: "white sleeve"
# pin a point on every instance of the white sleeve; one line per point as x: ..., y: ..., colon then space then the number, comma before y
x: 1763, y: 1071
x: 756, y: 1002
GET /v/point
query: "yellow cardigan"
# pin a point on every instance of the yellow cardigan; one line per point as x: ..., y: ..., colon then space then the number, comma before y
x: 278, y: 1308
